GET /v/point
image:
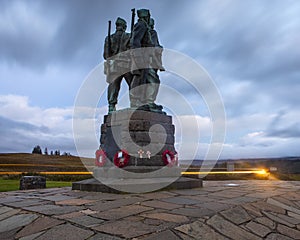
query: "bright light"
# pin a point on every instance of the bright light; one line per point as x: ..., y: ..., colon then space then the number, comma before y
x: 261, y: 171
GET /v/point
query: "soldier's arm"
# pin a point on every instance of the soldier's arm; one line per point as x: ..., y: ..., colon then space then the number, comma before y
x: 105, y: 52
x: 139, y: 31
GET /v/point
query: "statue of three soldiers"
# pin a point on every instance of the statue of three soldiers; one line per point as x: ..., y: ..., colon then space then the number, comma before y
x: 138, y: 67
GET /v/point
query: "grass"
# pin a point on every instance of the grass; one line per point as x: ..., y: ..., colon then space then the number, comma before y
x: 13, y: 185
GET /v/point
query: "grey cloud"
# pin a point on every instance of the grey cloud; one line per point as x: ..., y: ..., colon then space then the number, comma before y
x: 279, y: 128
x: 22, y: 137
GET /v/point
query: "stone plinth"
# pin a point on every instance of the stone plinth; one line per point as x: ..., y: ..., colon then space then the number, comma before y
x: 144, y: 135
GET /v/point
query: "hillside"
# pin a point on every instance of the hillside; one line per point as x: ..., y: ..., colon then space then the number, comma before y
x: 27, y: 162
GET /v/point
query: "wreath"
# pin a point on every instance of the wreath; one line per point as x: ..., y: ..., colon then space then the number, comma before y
x: 121, y: 159
x: 100, y: 158
x: 169, y: 158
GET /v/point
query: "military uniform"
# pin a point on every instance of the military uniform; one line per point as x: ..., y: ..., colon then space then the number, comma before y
x: 141, y: 94
x: 118, y: 67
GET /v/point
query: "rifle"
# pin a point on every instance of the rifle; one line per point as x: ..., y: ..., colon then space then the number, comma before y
x: 109, y: 39
x: 132, y: 20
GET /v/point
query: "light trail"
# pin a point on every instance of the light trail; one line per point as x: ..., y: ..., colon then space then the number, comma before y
x: 262, y: 171
x: 47, y: 173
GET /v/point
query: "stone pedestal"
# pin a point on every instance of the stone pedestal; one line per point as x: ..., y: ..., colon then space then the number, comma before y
x: 145, y: 136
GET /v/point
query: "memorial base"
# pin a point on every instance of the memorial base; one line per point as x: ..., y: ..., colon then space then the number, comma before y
x: 134, y: 186
x: 147, y: 137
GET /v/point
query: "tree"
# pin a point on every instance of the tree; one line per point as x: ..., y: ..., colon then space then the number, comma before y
x: 37, y: 149
x: 46, y: 151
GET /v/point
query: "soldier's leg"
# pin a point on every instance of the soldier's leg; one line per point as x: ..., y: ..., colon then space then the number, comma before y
x: 152, y: 88
x: 112, y: 93
x: 128, y: 78
x: 135, y: 93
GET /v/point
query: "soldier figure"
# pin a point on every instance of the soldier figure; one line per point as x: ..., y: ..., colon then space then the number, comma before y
x: 156, y: 62
x: 145, y: 81
x: 118, y: 67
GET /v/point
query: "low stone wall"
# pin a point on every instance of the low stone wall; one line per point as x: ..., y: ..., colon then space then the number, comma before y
x: 32, y: 182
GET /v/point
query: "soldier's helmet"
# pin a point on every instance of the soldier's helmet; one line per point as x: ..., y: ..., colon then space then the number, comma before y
x: 143, y: 13
x: 121, y: 22
x: 151, y: 23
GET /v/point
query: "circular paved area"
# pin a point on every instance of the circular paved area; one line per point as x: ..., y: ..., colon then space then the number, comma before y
x: 220, y: 210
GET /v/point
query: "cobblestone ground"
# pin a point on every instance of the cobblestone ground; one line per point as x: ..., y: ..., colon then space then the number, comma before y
x: 219, y: 210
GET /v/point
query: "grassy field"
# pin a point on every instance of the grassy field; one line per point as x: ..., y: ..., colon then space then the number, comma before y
x: 13, y: 185
x: 15, y: 165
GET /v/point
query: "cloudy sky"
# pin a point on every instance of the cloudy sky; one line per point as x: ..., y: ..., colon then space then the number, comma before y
x: 249, y: 48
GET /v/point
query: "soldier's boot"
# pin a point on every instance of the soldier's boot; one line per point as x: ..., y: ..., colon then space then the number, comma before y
x: 151, y: 94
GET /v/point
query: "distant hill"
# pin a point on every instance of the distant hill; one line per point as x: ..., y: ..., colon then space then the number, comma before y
x: 27, y: 162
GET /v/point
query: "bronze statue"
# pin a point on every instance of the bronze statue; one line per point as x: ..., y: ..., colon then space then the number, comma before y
x: 145, y: 81
x: 117, y: 68
x: 156, y: 62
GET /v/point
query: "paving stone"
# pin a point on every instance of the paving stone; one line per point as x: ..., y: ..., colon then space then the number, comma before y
x: 227, y: 194
x: 53, y: 209
x: 160, y: 204
x: 180, y: 200
x: 86, y: 221
x: 186, y: 192
x: 88, y: 211
x: 40, y: 224
x: 163, y: 235
x: 74, y: 202
x: 239, y: 200
x: 268, y: 207
x: 193, y: 212
x: 9, y: 235
x: 276, y: 236
x: 283, y: 219
x: 102, y: 206
x: 283, y: 205
x: 16, y: 221
x: 252, y: 210
x: 200, y: 198
x: 293, y: 215
x: 184, y: 236
x: 102, y: 236
x: 237, y: 215
x: 258, y: 229
x: 167, y: 217
x: 66, y: 232
x: 266, y: 221
x: 26, y: 203
x: 32, y: 236
x: 284, y: 200
x: 5, y: 209
x: 9, y: 214
x: 10, y: 199
x: 290, y: 232
x: 56, y: 198
x: 199, y: 230
x: 70, y: 215
x: 122, y: 212
x: 157, y: 195
x: 122, y: 227
x: 263, y: 195
x: 215, y: 206
x: 229, y: 229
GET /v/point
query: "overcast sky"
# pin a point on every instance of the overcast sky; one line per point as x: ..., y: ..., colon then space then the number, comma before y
x: 249, y: 48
